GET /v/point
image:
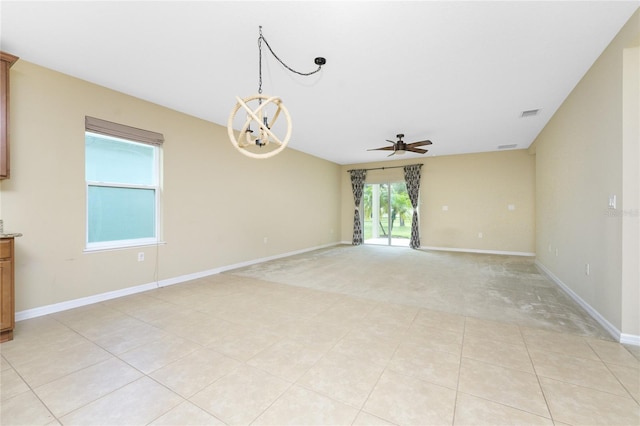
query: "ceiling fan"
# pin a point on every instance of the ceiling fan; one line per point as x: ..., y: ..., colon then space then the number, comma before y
x: 400, y: 147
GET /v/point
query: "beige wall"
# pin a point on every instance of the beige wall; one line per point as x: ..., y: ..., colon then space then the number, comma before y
x: 217, y: 205
x: 477, y: 189
x: 579, y: 165
x: 631, y: 192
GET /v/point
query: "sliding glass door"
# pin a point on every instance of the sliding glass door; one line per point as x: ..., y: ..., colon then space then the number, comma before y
x: 387, y: 214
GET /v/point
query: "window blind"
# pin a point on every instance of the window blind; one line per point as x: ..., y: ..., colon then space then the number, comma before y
x: 108, y: 128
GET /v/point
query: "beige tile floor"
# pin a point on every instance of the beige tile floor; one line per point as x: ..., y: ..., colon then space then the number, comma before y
x: 231, y: 349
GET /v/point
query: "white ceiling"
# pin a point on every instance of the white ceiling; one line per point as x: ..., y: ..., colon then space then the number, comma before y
x: 457, y: 73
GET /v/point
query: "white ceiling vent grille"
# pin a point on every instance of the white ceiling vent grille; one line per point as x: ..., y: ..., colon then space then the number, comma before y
x: 511, y: 146
x: 529, y: 113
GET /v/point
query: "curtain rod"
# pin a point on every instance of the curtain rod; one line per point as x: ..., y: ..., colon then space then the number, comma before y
x: 383, y: 168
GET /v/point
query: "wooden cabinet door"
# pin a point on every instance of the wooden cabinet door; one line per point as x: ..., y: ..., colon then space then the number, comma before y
x: 7, y: 317
x: 6, y: 60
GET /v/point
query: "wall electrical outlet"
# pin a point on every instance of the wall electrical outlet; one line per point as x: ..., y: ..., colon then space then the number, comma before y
x: 587, y: 269
x: 141, y: 256
x: 266, y: 240
x: 480, y: 235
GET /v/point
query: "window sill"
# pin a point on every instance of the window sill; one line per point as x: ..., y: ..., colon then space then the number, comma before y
x: 123, y: 247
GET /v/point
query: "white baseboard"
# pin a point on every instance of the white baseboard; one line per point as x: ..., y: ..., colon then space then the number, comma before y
x: 202, y: 274
x: 76, y: 303
x: 628, y: 339
x: 83, y: 301
x: 465, y: 250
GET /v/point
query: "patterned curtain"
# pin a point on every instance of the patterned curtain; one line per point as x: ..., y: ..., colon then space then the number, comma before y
x: 412, y: 177
x: 357, y: 184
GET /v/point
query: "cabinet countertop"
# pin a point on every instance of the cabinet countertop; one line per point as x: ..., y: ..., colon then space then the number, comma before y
x: 10, y: 235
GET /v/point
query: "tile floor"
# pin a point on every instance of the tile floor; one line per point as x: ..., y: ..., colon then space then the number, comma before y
x: 236, y: 350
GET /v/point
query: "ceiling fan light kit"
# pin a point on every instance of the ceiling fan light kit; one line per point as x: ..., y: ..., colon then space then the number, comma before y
x: 255, y: 108
x: 400, y: 147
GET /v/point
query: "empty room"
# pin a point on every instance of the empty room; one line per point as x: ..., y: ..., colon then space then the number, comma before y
x: 320, y: 213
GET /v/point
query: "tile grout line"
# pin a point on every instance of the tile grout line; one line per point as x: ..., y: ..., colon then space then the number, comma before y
x: 384, y: 370
x: 66, y: 375
x: 455, y: 403
x: 31, y: 389
x: 514, y: 369
x: 606, y: 365
x: 143, y: 374
x: 546, y: 401
x: 591, y: 388
x: 295, y: 383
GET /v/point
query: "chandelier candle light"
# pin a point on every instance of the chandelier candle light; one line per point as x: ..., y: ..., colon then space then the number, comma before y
x: 256, y: 109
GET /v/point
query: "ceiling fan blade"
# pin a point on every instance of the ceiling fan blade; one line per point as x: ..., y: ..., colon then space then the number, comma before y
x: 393, y: 153
x: 386, y: 148
x: 421, y: 143
x: 390, y: 141
x: 418, y: 150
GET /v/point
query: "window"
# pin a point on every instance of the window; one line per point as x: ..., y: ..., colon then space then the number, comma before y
x: 122, y: 173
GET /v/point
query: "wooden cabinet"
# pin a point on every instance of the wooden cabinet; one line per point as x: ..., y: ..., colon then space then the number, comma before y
x: 6, y: 60
x: 7, y: 303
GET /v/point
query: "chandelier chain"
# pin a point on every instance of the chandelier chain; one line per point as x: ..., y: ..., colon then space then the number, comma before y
x: 260, y: 62
x: 260, y: 40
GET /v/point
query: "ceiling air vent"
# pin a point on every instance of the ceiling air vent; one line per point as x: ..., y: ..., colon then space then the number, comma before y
x: 529, y: 113
x: 511, y: 146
